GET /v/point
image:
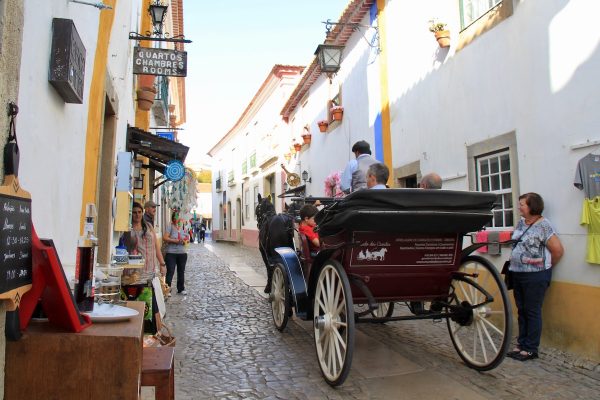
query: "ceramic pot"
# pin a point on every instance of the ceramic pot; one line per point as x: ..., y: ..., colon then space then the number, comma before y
x: 307, y: 138
x: 443, y: 38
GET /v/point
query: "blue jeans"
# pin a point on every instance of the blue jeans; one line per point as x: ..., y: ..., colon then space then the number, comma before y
x: 529, y: 291
x: 172, y: 260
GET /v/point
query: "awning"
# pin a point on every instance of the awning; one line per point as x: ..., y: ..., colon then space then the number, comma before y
x: 159, y: 150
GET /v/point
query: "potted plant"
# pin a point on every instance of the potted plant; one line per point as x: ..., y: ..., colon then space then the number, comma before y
x: 306, y: 137
x: 337, y: 112
x: 323, y: 124
x: 441, y: 32
x: 145, y: 97
x: 297, y: 146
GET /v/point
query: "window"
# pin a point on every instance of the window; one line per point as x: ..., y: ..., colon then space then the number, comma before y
x: 244, y: 167
x: 247, y: 203
x: 494, y: 175
x: 255, y: 197
x: 253, y: 160
x: 472, y: 10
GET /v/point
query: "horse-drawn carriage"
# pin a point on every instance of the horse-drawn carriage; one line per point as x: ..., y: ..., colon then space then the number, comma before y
x: 379, y: 247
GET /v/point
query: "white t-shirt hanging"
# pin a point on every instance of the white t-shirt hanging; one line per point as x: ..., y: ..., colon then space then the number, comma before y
x: 587, y: 175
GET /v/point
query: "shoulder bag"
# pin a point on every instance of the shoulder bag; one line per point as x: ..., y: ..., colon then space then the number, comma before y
x: 508, y: 276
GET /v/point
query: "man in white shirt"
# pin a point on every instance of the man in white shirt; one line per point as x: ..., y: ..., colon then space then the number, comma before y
x: 355, y: 174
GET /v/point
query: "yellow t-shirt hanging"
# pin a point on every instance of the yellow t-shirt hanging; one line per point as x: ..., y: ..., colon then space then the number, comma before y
x: 590, y: 216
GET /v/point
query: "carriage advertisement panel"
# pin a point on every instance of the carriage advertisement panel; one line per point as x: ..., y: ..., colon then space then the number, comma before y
x: 384, y: 249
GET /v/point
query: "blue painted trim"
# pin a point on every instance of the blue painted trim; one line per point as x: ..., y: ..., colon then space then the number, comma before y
x: 378, y: 133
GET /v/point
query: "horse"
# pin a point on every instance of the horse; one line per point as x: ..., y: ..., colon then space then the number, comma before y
x: 274, y: 230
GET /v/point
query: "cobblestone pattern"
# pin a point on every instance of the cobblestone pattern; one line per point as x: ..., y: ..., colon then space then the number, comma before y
x: 228, y: 348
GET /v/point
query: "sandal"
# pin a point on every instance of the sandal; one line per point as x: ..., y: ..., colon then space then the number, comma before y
x: 513, y: 353
x: 525, y: 355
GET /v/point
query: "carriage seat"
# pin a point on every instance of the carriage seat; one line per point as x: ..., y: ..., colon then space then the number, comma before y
x: 303, y: 247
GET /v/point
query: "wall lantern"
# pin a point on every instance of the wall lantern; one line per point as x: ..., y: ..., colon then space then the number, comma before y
x: 305, y: 177
x: 157, y: 12
x: 330, y: 57
x: 139, y: 183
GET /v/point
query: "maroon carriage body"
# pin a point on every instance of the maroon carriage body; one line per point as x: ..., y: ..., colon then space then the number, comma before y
x: 403, y: 244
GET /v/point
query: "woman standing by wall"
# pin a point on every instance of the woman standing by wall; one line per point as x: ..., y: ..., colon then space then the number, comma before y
x: 176, y: 238
x: 534, y: 254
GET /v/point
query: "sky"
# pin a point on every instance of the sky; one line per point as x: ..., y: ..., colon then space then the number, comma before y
x: 235, y: 44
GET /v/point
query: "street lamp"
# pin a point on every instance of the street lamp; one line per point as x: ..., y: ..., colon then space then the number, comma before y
x: 157, y: 12
x: 329, y: 56
x: 305, y: 177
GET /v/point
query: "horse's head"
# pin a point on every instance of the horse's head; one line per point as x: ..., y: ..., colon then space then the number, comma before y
x: 264, y: 208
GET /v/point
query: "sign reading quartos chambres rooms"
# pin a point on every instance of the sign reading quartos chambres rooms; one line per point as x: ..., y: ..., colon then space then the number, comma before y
x: 163, y: 62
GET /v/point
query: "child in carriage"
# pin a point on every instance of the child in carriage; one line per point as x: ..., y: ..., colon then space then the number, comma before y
x: 306, y: 227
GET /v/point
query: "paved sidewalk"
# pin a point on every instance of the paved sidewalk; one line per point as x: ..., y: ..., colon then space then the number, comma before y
x: 228, y: 348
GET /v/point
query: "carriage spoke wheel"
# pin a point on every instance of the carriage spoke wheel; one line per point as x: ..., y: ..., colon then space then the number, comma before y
x: 334, y: 323
x: 480, y: 336
x: 280, y: 298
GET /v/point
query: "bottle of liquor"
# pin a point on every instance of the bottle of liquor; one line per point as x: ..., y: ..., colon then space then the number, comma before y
x: 84, y: 263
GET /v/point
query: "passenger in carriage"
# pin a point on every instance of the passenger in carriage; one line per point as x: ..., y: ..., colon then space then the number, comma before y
x: 307, y: 225
x: 431, y: 181
x: 377, y: 176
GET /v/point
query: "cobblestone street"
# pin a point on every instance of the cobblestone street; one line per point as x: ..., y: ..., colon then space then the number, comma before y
x: 228, y: 348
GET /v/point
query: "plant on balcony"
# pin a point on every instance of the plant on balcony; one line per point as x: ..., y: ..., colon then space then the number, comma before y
x: 297, y: 146
x: 337, y: 112
x: 323, y: 125
x: 441, y: 32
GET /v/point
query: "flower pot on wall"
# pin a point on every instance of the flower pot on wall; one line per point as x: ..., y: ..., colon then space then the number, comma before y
x: 297, y: 146
x: 307, y: 137
x: 337, y: 113
x: 145, y: 98
x: 323, y: 126
x: 443, y: 38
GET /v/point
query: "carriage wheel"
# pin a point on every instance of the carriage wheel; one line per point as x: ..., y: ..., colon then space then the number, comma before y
x: 334, y: 323
x: 280, y: 298
x: 480, y: 336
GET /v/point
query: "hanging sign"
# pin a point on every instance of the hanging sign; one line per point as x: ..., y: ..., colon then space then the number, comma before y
x: 163, y: 62
x: 175, y: 171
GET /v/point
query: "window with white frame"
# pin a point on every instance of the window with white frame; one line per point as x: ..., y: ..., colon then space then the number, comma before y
x: 247, y: 203
x: 255, y: 198
x: 494, y: 175
x: 472, y: 10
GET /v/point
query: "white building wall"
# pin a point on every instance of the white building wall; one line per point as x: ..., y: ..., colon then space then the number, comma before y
x: 52, y: 133
x: 524, y: 75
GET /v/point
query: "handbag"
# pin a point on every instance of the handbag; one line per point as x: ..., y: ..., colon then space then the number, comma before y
x: 508, y: 277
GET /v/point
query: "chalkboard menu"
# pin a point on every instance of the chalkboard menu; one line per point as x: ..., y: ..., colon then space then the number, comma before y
x: 15, y: 242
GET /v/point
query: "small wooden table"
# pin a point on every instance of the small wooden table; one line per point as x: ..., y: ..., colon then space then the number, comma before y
x: 104, y: 361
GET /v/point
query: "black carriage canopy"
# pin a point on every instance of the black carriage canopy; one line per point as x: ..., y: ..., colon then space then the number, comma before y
x: 417, y: 211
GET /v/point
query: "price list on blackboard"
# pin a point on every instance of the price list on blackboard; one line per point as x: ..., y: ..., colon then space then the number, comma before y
x: 15, y: 242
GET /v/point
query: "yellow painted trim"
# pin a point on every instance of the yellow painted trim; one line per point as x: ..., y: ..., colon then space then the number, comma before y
x: 570, y: 318
x: 385, y: 97
x: 142, y: 118
x: 96, y: 111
